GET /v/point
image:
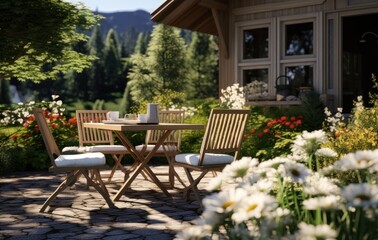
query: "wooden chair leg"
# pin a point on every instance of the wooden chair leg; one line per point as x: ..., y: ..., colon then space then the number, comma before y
x: 193, y: 186
x: 100, y: 186
x: 68, y: 181
x: 117, y: 165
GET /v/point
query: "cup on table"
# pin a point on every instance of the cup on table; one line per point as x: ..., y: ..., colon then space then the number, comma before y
x: 112, y: 115
x: 131, y: 116
x: 143, y: 118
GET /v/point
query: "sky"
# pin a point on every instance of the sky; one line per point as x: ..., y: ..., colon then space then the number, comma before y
x: 120, y: 5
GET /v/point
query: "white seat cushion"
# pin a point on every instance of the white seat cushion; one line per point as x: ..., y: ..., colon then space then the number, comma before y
x: 105, y: 148
x: 80, y: 160
x: 149, y: 148
x: 73, y: 150
x: 209, y: 159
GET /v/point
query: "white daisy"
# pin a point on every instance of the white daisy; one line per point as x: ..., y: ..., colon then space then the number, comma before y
x: 309, y: 142
x: 312, y: 232
x: 295, y: 172
x: 327, y: 202
x: 361, y: 195
x: 196, y: 232
x: 265, y: 185
x: 224, y: 201
x: 254, y: 206
x: 325, y: 152
x: 260, y: 173
x: 240, y: 168
x: 215, y: 183
x: 275, y: 162
x: 359, y: 160
x: 316, y: 184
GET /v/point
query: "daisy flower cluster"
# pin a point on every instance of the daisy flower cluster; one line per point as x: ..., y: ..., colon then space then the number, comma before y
x: 233, y: 97
x: 283, y: 198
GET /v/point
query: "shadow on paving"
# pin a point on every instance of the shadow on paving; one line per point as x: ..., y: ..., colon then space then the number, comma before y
x: 143, y: 212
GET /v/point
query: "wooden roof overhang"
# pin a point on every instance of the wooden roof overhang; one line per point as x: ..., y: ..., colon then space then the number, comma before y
x: 205, y: 16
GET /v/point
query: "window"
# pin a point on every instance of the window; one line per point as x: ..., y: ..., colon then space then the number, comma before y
x: 251, y: 75
x: 299, y: 39
x: 302, y: 75
x: 255, y: 43
x: 275, y: 47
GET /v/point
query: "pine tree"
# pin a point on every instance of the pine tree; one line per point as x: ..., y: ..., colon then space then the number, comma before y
x: 142, y: 43
x: 96, y: 72
x: 112, y: 63
x: 166, y: 52
x: 163, y: 66
x: 203, y: 62
x: 129, y: 40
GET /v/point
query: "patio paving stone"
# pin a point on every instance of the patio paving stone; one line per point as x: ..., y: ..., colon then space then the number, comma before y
x: 143, y: 212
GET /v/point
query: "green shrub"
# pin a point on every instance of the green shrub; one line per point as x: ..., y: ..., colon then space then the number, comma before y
x: 23, y: 145
x: 268, y: 137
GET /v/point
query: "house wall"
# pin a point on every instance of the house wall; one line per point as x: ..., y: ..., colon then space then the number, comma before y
x: 324, y: 14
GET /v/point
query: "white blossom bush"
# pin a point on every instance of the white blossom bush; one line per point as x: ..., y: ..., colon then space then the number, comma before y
x: 291, y: 197
x: 256, y: 89
x: 233, y: 97
x: 18, y: 114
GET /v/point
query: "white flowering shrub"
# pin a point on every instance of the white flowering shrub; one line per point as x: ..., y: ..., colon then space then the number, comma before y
x: 233, y: 97
x: 256, y: 89
x: 22, y: 145
x: 292, y: 197
x: 18, y: 114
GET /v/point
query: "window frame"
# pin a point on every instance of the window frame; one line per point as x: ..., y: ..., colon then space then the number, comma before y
x: 277, y: 61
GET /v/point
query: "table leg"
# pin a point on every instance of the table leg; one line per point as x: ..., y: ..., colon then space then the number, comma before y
x: 143, y: 160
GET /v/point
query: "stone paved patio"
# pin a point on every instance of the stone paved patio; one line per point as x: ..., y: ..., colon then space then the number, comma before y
x: 144, y: 212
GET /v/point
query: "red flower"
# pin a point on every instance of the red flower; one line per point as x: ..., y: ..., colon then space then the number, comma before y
x: 54, y: 125
x: 252, y: 131
x: 292, y: 126
x: 266, y: 131
x: 293, y: 118
x: 26, y: 124
x: 283, y: 118
x: 245, y: 137
x: 260, y: 134
x: 298, y: 122
x: 287, y: 123
x: 72, y: 120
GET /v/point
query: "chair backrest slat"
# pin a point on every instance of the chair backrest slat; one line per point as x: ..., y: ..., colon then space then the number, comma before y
x: 50, y: 144
x: 167, y: 116
x: 91, y: 135
x: 224, y: 131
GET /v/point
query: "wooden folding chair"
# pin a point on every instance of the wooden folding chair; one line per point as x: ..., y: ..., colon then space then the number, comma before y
x: 95, y: 140
x: 74, y: 165
x: 223, y: 136
x: 171, y: 146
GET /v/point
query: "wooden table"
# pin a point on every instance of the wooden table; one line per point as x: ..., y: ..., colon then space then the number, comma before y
x: 141, y: 160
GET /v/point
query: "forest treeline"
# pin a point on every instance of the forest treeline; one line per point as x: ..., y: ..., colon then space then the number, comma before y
x: 134, y: 66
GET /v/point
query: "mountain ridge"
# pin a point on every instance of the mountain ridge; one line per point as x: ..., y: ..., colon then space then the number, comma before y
x: 123, y: 21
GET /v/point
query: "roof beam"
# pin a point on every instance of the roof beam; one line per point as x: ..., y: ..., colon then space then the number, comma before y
x: 178, y: 11
x: 213, y: 5
x: 221, y: 23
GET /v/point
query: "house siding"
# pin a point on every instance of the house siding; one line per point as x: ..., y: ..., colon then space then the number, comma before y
x: 248, y: 11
